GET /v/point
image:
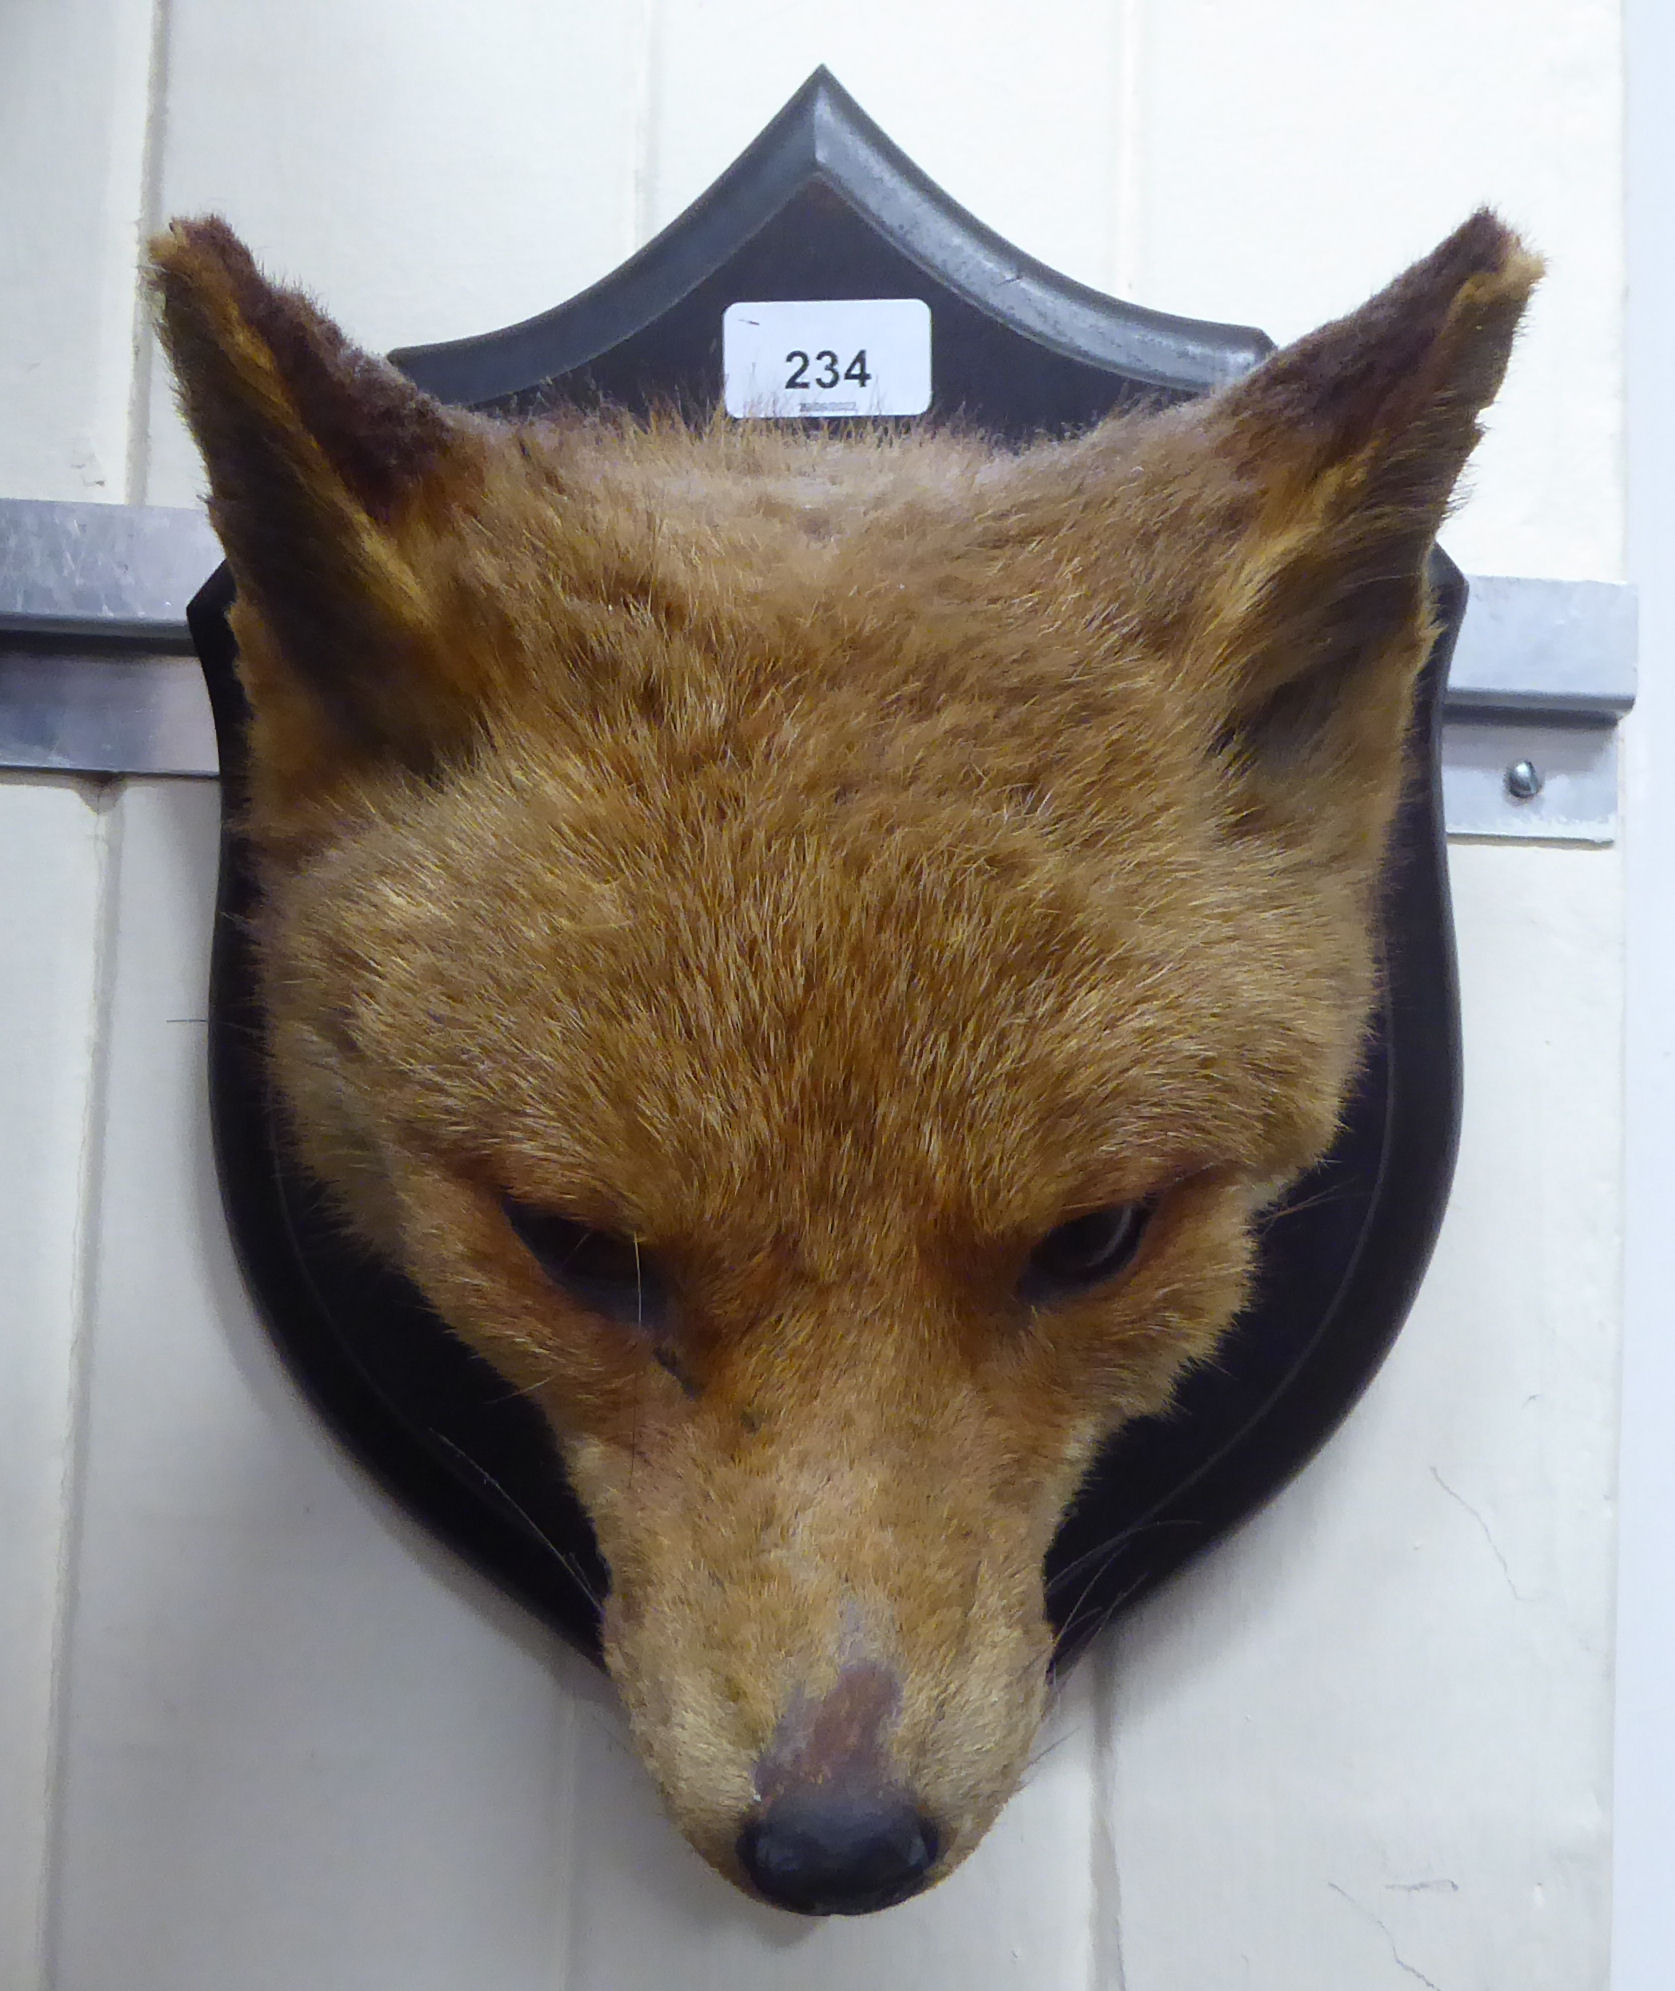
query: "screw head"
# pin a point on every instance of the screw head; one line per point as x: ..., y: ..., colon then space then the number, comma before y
x: 1524, y: 780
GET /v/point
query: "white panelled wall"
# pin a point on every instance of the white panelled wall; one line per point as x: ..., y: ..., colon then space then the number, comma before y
x: 255, y: 1733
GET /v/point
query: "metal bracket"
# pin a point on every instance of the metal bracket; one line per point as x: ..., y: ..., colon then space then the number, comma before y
x: 97, y: 674
x: 1541, y: 674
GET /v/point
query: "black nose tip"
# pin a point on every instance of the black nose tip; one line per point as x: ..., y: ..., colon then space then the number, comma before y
x: 828, y: 1854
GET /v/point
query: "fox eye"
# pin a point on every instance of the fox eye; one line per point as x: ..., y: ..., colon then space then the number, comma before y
x: 613, y: 1275
x: 1085, y: 1252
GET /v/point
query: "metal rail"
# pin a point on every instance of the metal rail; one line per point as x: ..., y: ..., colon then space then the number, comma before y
x: 97, y: 674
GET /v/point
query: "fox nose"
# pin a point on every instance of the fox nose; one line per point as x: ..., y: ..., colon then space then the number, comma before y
x: 838, y: 1853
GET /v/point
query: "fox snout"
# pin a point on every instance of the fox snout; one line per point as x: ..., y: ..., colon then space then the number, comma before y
x: 830, y: 1639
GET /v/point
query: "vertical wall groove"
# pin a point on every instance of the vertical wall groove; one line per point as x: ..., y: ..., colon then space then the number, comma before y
x: 648, y: 111
x: 52, y: 886
x: 84, y: 1296
x: 1126, y: 247
x: 148, y: 219
x: 1106, y: 1971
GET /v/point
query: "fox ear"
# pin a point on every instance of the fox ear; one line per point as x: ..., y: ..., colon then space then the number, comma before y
x: 321, y: 460
x: 1355, y: 437
x: 1337, y: 459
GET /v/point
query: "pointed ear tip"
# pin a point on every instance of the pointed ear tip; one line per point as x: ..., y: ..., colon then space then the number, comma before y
x: 197, y: 249
x: 1524, y: 269
x: 1487, y: 249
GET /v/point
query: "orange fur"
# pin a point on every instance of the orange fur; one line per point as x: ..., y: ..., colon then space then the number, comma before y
x: 832, y: 865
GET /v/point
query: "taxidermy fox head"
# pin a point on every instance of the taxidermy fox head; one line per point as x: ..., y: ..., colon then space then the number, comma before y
x: 811, y: 953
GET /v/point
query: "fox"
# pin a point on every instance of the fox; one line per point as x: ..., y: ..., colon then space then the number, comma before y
x: 813, y: 952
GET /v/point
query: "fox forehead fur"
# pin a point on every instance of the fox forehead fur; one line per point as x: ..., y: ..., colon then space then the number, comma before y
x: 831, y: 867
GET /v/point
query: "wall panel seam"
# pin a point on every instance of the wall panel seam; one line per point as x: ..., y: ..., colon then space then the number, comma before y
x: 1106, y: 1968
x: 1126, y: 203
x: 106, y: 800
x: 148, y: 218
x: 648, y: 110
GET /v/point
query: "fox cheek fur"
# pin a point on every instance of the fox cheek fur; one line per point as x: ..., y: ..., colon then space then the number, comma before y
x: 812, y: 954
